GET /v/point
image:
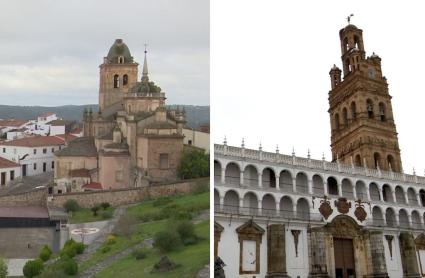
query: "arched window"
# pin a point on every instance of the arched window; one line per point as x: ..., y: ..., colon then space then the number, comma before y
x: 353, y: 111
x: 377, y: 159
x: 390, y: 161
x: 337, y: 121
x: 358, y: 161
x: 116, y: 81
x: 369, y: 106
x: 120, y: 60
x: 125, y: 79
x: 382, y: 112
x: 332, y: 186
x: 345, y: 116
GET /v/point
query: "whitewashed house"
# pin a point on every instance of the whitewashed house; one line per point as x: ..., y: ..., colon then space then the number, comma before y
x: 35, y: 155
x: 9, y: 171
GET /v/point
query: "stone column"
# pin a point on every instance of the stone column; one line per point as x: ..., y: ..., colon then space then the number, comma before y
x: 241, y: 177
x: 419, y: 200
x: 408, y: 255
x: 325, y: 188
x: 277, y: 183
x: 354, y: 192
x: 294, y: 185
x: 310, y: 186
x: 381, y: 196
x: 260, y: 180
x: 276, y: 256
x: 223, y: 175
x: 377, y: 264
x: 339, y: 189
x: 317, y: 253
x: 394, y: 197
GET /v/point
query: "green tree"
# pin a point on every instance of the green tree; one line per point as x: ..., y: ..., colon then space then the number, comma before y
x: 3, y: 268
x: 194, y: 164
x: 71, y: 205
x: 33, y: 268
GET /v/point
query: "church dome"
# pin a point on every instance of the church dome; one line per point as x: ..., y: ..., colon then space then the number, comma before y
x: 119, y: 53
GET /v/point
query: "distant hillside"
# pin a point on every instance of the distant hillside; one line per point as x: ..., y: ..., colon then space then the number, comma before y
x: 196, y: 115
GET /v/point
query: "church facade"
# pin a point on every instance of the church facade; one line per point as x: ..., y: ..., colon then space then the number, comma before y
x: 358, y: 215
x: 132, y: 140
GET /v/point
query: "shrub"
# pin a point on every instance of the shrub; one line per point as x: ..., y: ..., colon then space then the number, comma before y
x: 70, y: 249
x: 45, y: 253
x: 111, y: 239
x: 71, y: 205
x: 105, y: 205
x: 105, y: 249
x: 69, y: 266
x: 167, y: 241
x: 162, y: 201
x: 107, y: 214
x: 139, y: 254
x: 79, y: 247
x: 33, y: 268
x: 194, y: 164
x: 3, y: 268
x: 95, y: 209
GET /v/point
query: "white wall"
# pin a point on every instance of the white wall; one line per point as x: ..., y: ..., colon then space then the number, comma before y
x: 17, y: 173
x: 394, y: 267
x: 198, y: 139
x: 13, y: 153
x: 56, y: 130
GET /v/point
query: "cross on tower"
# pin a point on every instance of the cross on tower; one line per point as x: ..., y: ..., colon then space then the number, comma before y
x: 349, y: 18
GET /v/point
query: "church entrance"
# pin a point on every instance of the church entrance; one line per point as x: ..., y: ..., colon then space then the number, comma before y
x: 344, y: 258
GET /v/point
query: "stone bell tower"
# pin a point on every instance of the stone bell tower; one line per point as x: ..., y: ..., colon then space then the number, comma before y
x: 118, y: 74
x: 362, y: 122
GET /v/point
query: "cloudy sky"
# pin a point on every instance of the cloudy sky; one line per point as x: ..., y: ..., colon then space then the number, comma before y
x: 270, y: 63
x: 51, y: 50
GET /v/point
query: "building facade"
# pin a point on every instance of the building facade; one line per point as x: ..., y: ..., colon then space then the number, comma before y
x: 358, y: 215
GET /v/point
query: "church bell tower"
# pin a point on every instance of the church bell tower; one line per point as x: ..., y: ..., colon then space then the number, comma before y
x: 363, y: 131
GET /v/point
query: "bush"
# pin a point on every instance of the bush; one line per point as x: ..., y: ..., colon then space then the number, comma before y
x: 70, y: 249
x: 105, y: 249
x: 162, y: 201
x: 194, y: 164
x: 45, y: 253
x: 139, y: 254
x: 71, y: 205
x: 107, y: 214
x: 69, y: 266
x: 95, y: 209
x: 186, y: 230
x: 3, y: 268
x: 167, y: 241
x: 105, y: 205
x: 33, y: 268
x: 79, y: 247
x: 111, y: 239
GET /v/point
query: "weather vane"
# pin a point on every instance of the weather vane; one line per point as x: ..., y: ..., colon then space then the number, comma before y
x: 349, y: 18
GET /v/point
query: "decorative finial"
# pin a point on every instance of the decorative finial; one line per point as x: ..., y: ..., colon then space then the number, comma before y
x: 243, y: 143
x: 145, y: 68
x: 349, y: 18
x: 308, y: 154
x: 277, y: 148
x: 414, y: 171
x: 225, y: 140
x: 293, y: 151
x: 260, y: 148
x: 323, y: 156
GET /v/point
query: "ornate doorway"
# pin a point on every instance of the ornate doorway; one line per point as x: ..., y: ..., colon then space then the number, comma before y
x: 344, y: 258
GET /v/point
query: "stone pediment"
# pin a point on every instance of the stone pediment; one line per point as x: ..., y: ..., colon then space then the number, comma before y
x: 344, y: 226
x: 250, y: 231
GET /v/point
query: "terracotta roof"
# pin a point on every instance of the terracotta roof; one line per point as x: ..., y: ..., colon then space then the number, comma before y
x: 81, y: 173
x: 12, y: 122
x: 47, y: 114
x: 66, y: 137
x: 76, y: 131
x: 24, y: 212
x: 36, y: 141
x: 93, y: 186
x: 4, y: 163
x: 80, y: 146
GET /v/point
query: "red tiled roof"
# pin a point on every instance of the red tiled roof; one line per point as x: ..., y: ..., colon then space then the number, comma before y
x: 67, y: 137
x: 47, y: 114
x: 76, y: 131
x: 4, y: 163
x: 93, y: 186
x: 80, y: 173
x: 36, y: 141
x: 12, y: 122
x: 24, y: 212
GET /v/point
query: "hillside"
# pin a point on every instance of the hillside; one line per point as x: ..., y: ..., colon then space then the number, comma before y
x: 196, y: 115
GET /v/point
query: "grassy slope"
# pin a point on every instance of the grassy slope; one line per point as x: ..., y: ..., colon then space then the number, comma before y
x: 86, y: 215
x: 148, y: 229
x: 191, y: 258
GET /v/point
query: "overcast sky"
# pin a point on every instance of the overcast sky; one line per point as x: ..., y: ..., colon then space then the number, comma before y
x: 270, y: 63
x: 50, y: 50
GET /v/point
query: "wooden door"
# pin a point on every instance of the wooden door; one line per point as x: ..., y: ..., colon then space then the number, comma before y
x: 344, y: 258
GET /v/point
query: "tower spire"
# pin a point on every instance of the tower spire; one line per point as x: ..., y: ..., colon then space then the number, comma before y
x: 145, y: 67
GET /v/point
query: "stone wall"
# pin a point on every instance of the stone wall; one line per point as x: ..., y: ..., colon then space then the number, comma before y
x: 31, y: 198
x: 119, y: 197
